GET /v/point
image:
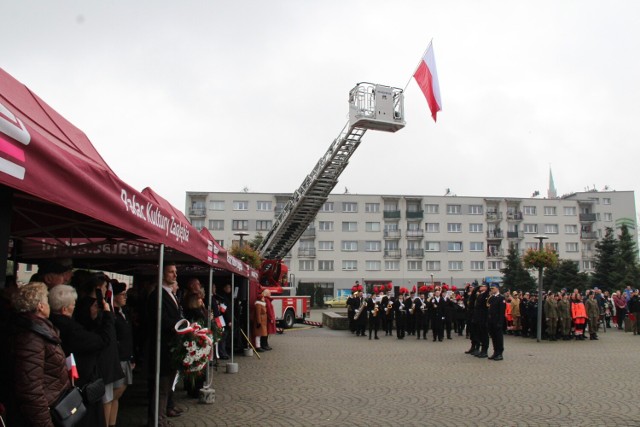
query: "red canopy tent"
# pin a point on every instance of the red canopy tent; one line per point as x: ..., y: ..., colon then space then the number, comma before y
x: 54, y: 185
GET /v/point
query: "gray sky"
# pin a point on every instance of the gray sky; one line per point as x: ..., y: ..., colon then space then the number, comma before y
x: 218, y: 96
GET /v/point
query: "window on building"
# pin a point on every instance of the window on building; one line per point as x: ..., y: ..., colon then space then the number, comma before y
x: 455, y: 265
x: 432, y: 246
x: 327, y: 207
x: 553, y: 246
x: 570, y: 229
x: 28, y: 268
x: 349, y: 245
x: 240, y: 224
x: 216, y: 205
x: 391, y: 245
x: 475, y: 228
x: 372, y: 265
x: 431, y: 209
x: 529, y: 210
x: 571, y: 246
x: 433, y: 265
x: 372, y: 207
x: 608, y: 216
x: 372, y: 246
x: 531, y: 245
x: 551, y: 228
x: 454, y: 246
x: 198, y: 224
x: 390, y: 226
x: 570, y: 211
x: 392, y: 265
x: 305, y: 265
x: 348, y: 226
x: 240, y: 205
x: 349, y: 265
x: 325, y: 245
x: 587, y: 265
x: 454, y: 227
x: 414, y: 265
x: 349, y: 207
x: 531, y: 228
x: 476, y: 209
x: 216, y: 224
x: 263, y: 205
x: 477, y: 265
x: 372, y: 226
x: 263, y: 224
x: 476, y: 246
x: 550, y: 210
x: 432, y: 227
x: 494, y: 265
x: 390, y: 206
x: 454, y: 209
x: 325, y: 265
x: 325, y: 225
x: 606, y: 201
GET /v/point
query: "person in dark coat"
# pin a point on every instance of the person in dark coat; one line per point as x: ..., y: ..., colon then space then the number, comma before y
x: 124, y: 336
x: 195, y: 311
x: 480, y: 315
x: 169, y: 317
x: 40, y: 375
x: 400, y: 314
x: 85, y: 345
x: 470, y: 300
x: 495, y: 321
x: 437, y: 308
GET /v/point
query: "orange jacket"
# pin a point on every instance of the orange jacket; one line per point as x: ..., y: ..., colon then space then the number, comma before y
x: 507, y: 313
x: 578, y: 310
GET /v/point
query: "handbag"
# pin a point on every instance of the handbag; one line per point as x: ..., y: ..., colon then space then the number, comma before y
x: 92, y: 392
x: 69, y: 409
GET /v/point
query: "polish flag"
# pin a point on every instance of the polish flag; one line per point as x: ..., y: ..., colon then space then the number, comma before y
x: 220, y: 322
x: 427, y: 78
x: 71, y: 367
x: 222, y: 308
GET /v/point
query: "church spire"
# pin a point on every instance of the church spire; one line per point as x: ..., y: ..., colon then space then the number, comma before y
x: 551, y: 191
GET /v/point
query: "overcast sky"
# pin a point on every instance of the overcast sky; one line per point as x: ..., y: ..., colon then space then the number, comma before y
x: 218, y: 96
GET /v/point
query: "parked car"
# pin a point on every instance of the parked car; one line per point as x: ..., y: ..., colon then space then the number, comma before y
x: 336, y: 302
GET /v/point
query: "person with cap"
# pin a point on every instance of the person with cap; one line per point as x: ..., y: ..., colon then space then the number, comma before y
x: 351, y: 299
x: 551, y: 316
x: 400, y: 313
x: 419, y: 311
x: 471, y: 323
x: 360, y: 315
x: 460, y: 315
x: 480, y: 318
x: 437, y: 308
x: 495, y: 320
x: 634, y: 310
x: 411, y: 314
x: 593, y: 314
x: 373, y: 312
x: 579, y: 315
x: 532, y: 316
x: 524, y: 311
x: 515, y: 314
x: 564, y: 316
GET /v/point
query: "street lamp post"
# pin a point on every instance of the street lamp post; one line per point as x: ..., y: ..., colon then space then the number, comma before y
x: 539, y: 325
x: 431, y: 279
x: 241, y: 235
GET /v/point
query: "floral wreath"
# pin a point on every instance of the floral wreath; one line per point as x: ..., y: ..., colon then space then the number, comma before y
x: 192, y: 350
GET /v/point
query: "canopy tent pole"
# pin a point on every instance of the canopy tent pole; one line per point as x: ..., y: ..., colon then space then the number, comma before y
x: 156, y: 395
x: 233, y: 319
x: 5, y: 231
x: 210, y: 312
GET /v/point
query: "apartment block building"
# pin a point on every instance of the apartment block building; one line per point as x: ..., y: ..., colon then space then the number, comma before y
x: 409, y: 240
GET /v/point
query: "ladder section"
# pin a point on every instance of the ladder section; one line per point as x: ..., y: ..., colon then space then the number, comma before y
x: 307, y: 200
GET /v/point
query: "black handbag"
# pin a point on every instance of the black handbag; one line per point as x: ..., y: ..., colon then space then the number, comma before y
x: 69, y: 409
x: 92, y: 392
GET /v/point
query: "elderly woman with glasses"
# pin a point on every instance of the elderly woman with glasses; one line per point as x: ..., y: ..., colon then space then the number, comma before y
x: 40, y: 372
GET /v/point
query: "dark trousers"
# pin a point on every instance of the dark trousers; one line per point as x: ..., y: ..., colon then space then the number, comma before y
x: 163, y: 398
x: 437, y: 324
x: 482, y: 336
x: 400, y: 324
x: 374, y: 322
x: 497, y: 338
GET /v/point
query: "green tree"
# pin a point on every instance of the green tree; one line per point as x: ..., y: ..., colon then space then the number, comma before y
x: 515, y: 276
x: 566, y: 274
x: 247, y: 254
x: 256, y: 241
x: 605, y: 261
x: 627, y: 271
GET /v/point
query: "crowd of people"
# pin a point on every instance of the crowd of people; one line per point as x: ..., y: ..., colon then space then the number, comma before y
x: 82, y: 329
x: 482, y: 312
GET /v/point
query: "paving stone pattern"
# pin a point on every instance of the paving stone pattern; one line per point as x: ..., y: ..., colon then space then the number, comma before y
x: 322, y: 377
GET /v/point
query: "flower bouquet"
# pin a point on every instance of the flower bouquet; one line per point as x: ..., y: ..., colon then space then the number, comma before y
x: 540, y: 259
x: 192, y: 350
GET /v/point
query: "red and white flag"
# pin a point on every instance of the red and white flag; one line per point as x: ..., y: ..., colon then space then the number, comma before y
x: 71, y: 367
x: 222, y: 308
x: 427, y: 78
x: 220, y: 322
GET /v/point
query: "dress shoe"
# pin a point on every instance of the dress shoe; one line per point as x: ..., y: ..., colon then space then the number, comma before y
x: 493, y: 356
x: 267, y: 348
x: 259, y: 350
x: 475, y: 352
x: 172, y: 413
x: 471, y: 350
x: 225, y: 357
x: 498, y: 357
x: 482, y: 355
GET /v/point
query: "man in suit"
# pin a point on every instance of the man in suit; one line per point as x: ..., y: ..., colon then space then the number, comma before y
x: 495, y: 317
x: 170, y: 315
x: 437, y: 309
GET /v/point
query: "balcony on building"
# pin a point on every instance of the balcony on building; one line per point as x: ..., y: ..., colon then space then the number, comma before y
x: 515, y: 235
x: 514, y: 216
x: 415, y: 234
x: 415, y: 253
x: 588, y: 254
x: 495, y: 253
x: 309, y: 232
x: 391, y: 214
x: 197, y: 212
x: 393, y: 253
x: 306, y: 252
x: 495, y: 234
x: 587, y: 217
x: 392, y: 234
x: 415, y: 214
x: 588, y: 235
x: 494, y: 216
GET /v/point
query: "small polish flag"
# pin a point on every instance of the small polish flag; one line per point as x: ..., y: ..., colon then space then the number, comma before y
x: 71, y: 367
x: 427, y: 78
x: 222, y: 308
x: 220, y: 322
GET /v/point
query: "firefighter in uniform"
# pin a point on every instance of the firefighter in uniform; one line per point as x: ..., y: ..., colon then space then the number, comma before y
x: 436, y: 305
x: 400, y: 313
x: 480, y: 311
x: 496, y: 306
x: 471, y: 295
x: 593, y: 313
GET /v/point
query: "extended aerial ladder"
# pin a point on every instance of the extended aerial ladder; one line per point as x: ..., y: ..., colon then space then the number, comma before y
x: 371, y: 106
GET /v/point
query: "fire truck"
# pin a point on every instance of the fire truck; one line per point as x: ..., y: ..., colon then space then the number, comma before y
x: 371, y: 106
